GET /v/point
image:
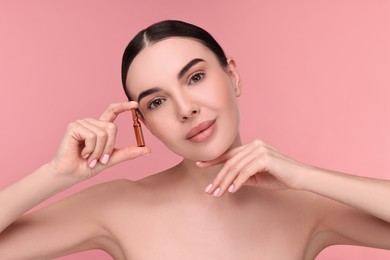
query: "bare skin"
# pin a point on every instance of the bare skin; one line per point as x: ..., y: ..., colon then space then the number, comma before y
x: 168, y: 216
x: 261, y: 204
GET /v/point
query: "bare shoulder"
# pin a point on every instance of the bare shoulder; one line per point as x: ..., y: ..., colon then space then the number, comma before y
x: 120, y: 188
x: 76, y: 223
x: 104, y: 192
x: 125, y: 193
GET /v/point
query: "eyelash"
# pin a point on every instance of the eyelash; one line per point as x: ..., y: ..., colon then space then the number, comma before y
x: 197, y: 74
x: 191, y: 81
x: 152, y: 103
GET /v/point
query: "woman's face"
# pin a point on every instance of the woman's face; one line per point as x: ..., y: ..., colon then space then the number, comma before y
x: 187, y: 99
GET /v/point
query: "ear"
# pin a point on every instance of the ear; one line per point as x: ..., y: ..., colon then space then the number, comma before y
x: 234, y: 75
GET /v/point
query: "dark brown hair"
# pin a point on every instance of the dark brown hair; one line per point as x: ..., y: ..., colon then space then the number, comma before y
x: 162, y: 30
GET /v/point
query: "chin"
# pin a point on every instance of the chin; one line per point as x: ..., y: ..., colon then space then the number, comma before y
x: 206, y: 156
x: 211, y: 150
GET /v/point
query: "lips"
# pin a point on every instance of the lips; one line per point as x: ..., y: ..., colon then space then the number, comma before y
x: 201, y: 132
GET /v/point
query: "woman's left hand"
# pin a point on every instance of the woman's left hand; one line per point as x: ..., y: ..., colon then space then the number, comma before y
x: 255, y: 164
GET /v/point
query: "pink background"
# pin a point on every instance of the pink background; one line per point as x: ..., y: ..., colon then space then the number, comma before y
x: 315, y: 76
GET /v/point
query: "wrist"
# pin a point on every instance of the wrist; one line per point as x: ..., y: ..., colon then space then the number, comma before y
x: 54, y: 172
x: 310, y: 178
x: 306, y: 176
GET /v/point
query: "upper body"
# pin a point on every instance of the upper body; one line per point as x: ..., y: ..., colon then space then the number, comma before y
x: 169, y: 216
x: 225, y: 200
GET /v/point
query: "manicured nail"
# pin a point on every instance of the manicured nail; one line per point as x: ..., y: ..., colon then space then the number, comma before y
x: 105, y: 159
x: 216, y: 192
x: 209, y: 188
x: 92, y: 163
x: 231, y: 188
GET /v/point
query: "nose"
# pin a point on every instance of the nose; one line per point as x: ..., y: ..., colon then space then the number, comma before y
x: 189, y: 114
x: 187, y: 109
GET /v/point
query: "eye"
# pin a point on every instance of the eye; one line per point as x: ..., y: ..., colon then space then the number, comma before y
x: 155, y: 103
x: 195, y: 78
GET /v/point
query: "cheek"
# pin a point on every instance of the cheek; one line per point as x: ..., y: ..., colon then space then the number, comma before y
x: 164, y: 130
x: 160, y: 129
x: 166, y: 133
x: 220, y: 95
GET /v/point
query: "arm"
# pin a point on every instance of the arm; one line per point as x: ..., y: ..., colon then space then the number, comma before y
x: 28, y: 192
x: 366, y: 194
x: 70, y: 225
x: 362, y: 218
x: 86, y: 149
x: 356, y: 204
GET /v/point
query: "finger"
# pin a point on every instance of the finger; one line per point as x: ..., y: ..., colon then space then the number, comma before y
x: 123, y: 154
x: 221, y: 159
x: 234, y: 165
x: 82, y: 136
x: 260, y: 165
x: 101, y: 137
x: 115, y: 109
x: 230, y: 153
x: 255, y: 167
x: 111, y: 129
x: 230, y: 170
x: 226, y: 183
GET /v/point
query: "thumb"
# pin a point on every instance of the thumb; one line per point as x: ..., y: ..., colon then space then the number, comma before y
x: 127, y: 153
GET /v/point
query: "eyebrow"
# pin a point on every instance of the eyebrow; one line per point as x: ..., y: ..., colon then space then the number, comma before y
x: 188, y: 66
x: 147, y: 93
x: 181, y: 73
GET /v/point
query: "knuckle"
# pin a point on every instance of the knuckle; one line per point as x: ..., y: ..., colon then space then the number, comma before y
x: 101, y: 134
x: 246, y: 172
x: 226, y: 182
x: 261, y: 150
x: 111, y: 107
x: 265, y: 157
x: 109, y: 147
x: 79, y: 121
x: 112, y: 127
x: 90, y: 135
x: 258, y: 142
x: 217, y: 181
x: 72, y: 125
x: 234, y: 169
x: 224, y: 185
x: 229, y: 165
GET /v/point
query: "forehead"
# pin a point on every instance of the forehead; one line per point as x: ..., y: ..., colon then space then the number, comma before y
x: 162, y: 60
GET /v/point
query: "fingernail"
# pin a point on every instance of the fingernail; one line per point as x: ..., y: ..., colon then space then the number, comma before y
x: 208, y: 188
x: 92, y: 163
x: 105, y: 158
x: 86, y: 155
x: 133, y: 102
x: 216, y: 192
x: 231, y: 188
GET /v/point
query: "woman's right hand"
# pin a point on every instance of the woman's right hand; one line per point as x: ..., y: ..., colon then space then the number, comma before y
x: 88, y: 146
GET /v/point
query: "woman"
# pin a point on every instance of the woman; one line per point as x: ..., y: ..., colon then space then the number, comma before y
x: 225, y: 200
